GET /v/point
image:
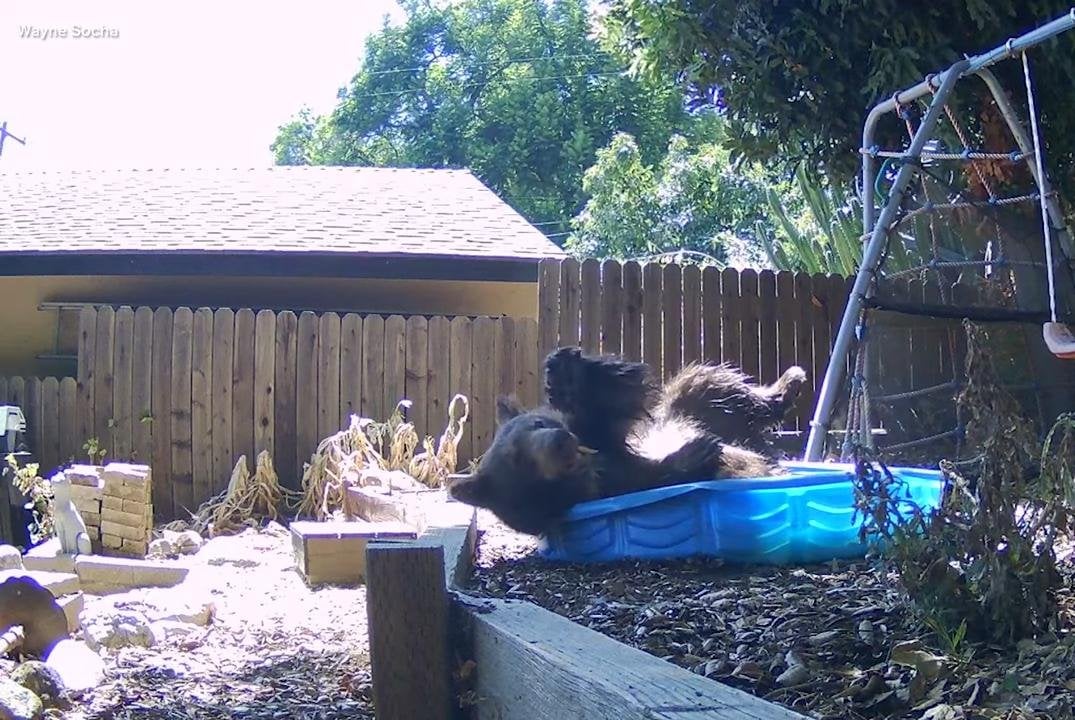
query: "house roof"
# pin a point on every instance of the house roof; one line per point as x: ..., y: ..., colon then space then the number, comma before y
x: 338, y: 218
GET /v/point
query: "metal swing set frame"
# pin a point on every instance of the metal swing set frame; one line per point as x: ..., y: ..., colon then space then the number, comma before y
x: 877, y: 226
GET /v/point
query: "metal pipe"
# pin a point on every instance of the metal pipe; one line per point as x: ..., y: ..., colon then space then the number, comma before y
x: 871, y: 256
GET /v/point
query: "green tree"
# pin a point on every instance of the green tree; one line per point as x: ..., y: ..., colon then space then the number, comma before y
x: 797, y: 77
x: 692, y: 199
x: 517, y: 91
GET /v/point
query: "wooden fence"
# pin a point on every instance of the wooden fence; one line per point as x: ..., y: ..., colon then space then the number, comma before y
x: 192, y: 390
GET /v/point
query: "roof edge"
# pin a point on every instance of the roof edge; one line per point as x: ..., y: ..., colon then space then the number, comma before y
x: 391, y: 266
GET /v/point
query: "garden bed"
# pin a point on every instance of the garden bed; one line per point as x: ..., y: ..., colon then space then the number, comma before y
x: 832, y: 641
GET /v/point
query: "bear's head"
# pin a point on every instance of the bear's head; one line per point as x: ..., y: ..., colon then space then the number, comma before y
x: 533, y: 471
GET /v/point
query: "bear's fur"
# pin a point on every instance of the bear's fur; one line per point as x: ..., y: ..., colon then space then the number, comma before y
x: 608, y: 428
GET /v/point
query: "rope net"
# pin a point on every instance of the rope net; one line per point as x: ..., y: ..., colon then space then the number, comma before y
x: 966, y: 244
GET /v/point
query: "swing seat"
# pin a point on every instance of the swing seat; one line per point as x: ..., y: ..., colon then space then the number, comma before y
x: 1060, y: 339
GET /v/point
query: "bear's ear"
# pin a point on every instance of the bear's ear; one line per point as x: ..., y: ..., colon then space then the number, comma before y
x: 507, y: 407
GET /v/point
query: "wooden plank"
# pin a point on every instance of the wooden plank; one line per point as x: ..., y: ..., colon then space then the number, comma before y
x: 87, y: 372
x: 548, y: 305
x: 692, y: 314
x: 407, y: 615
x: 748, y: 323
x: 570, y: 301
x: 373, y: 368
x: 819, y: 308
x: 395, y: 362
x: 162, y: 414
x: 416, y: 376
x: 3, y: 390
x: 350, y: 367
x: 528, y: 379
x: 483, y: 383
x: 16, y: 391
x: 730, y: 312
x: 711, y: 347
x: 786, y: 314
x: 439, y: 392
x: 68, y: 421
x: 804, y: 346
x: 285, y: 397
x: 459, y: 369
x: 573, y: 671
x: 328, y: 376
x: 35, y: 426
x: 105, y: 378
x: 265, y: 383
x: 50, y: 426
x: 590, y: 306
x: 672, y: 320
x: 223, y: 364
x: 611, y: 307
x: 504, y: 355
x: 768, y: 369
x: 306, y: 364
x: 201, y: 407
x: 182, y: 485
x: 142, y: 386
x: 242, y: 394
x: 652, y: 280
x: 122, y: 388
x: 632, y: 311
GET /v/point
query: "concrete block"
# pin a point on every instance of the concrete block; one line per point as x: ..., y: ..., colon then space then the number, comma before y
x: 134, y: 547
x: 135, y: 507
x: 85, y: 492
x: 58, y: 583
x: 131, y: 520
x: 126, y: 474
x: 95, y: 571
x: 125, y: 492
x: 85, y: 475
x: 48, y: 556
x: 111, y: 541
x: 111, y: 502
x: 72, y: 606
x: 123, y: 531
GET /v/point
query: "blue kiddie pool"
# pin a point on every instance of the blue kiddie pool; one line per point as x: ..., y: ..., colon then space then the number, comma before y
x: 804, y: 516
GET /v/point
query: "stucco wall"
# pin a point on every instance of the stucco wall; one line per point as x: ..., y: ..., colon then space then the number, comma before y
x: 26, y: 332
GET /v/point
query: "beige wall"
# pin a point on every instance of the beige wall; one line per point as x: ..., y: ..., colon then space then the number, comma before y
x: 26, y: 332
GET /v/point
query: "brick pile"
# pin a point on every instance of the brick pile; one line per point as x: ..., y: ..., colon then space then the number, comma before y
x: 115, y: 502
x: 87, y: 488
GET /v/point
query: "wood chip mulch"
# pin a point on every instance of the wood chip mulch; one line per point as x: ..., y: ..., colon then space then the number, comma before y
x: 831, y: 641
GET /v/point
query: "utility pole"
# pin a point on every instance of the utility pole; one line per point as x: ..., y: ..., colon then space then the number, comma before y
x: 4, y: 134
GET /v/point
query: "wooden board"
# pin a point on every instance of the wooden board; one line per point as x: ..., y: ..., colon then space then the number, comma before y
x: 527, y: 368
x: 285, y: 398
x: 242, y: 394
x: 142, y: 386
x: 651, y: 316
x: 459, y: 366
x: 590, y: 306
x: 335, y: 552
x: 416, y: 387
x: 804, y: 346
x: 730, y: 313
x: 69, y: 445
x: 692, y: 314
x: 306, y: 363
x: 50, y: 425
x: 373, y: 368
x: 785, y: 331
x: 265, y: 383
x: 671, y: 320
x: 350, y: 367
x: 611, y: 307
x: 31, y: 406
x: 104, y: 378
x: 504, y: 355
x: 819, y: 307
x: 573, y: 671
x: 767, y: 331
x: 548, y: 306
x: 122, y: 388
x: 87, y: 371
x: 328, y: 376
x: 162, y: 414
x: 223, y: 362
x: 748, y: 322
x: 437, y: 358
x: 570, y: 302
x: 483, y: 384
x: 711, y: 313
x: 395, y: 363
x: 632, y: 311
x: 201, y: 407
x: 182, y: 485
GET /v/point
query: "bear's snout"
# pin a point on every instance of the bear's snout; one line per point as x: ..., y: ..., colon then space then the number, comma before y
x: 464, y: 488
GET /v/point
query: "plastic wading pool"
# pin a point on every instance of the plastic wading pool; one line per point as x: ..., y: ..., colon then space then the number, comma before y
x: 804, y: 516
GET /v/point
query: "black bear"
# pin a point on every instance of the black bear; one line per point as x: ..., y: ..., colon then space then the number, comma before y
x: 608, y: 428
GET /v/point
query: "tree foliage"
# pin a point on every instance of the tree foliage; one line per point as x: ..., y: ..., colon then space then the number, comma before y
x: 798, y: 77
x: 517, y: 91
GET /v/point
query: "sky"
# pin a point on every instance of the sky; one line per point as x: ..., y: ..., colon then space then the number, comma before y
x: 138, y: 84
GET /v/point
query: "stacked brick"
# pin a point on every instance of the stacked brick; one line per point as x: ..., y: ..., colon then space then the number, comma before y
x: 115, y: 502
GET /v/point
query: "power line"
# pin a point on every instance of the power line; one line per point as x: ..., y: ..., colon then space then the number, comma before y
x: 4, y: 134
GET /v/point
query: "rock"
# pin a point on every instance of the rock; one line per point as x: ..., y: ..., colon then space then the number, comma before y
x: 122, y: 629
x: 79, y: 667
x: 10, y: 558
x: 17, y: 702
x: 794, y: 675
x: 164, y: 630
x: 41, y: 680
x: 189, y: 542
x: 159, y: 548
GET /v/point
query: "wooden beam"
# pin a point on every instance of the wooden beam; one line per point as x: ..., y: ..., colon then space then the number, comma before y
x: 407, y: 609
x: 537, y: 665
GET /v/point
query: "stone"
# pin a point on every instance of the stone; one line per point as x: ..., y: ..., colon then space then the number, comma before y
x: 41, y: 680
x: 123, y: 628
x: 160, y: 548
x: 79, y: 667
x: 18, y: 703
x: 10, y: 558
x: 189, y: 542
x: 86, y: 475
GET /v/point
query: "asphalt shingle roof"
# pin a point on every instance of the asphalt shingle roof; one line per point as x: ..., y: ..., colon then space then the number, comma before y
x: 278, y: 209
